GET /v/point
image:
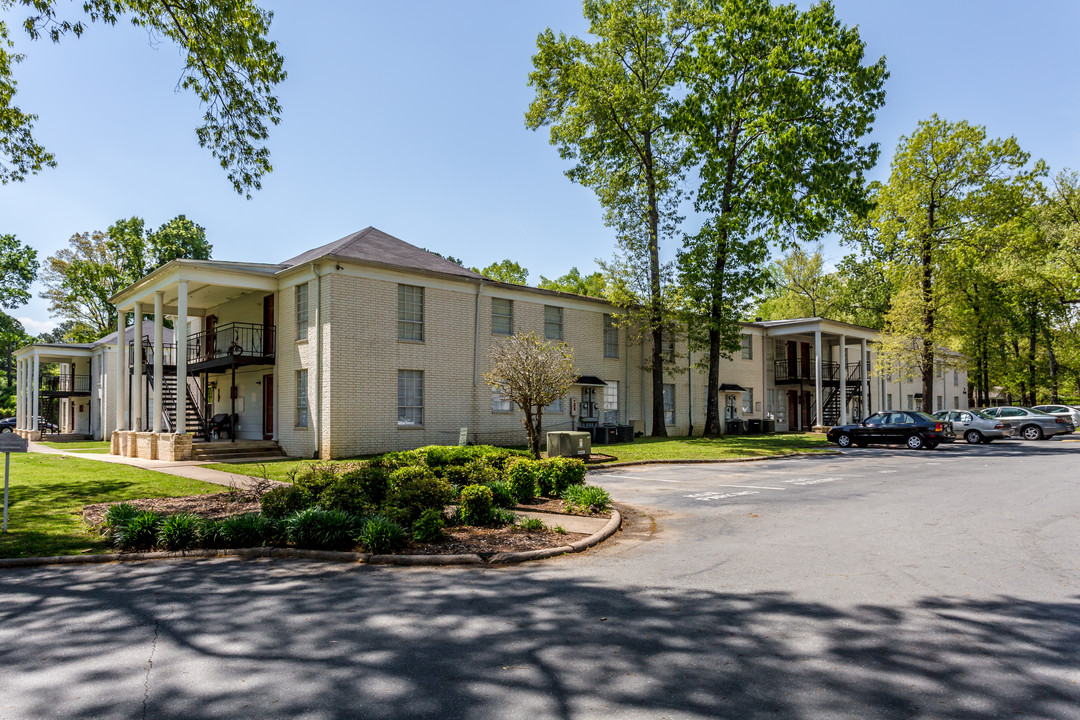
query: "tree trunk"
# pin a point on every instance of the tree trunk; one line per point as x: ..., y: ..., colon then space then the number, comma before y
x: 1032, y: 370
x: 927, y: 354
x: 656, y: 310
x: 531, y: 431
x: 1054, y: 395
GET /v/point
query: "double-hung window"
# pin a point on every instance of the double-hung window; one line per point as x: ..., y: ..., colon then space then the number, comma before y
x: 410, y: 314
x: 502, y: 316
x: 611, y: 403
x: 748, y: 401
x: 669, y: 404
x: 302, y: 311
x: 301, y: 399
x: 553, y: 322
x: 611, y: 338
x: 747, y: 342
x: 499, y: 403
x: 410, y: 398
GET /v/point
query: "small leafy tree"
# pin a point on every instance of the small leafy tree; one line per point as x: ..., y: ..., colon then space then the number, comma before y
x: 532, y: 373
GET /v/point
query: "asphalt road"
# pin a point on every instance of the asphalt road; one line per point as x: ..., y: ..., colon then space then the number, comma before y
x: 878, y: 584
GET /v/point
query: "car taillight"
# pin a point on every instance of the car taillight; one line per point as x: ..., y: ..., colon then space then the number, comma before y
x: 938, y: 427
x: 999, y: 426
x: 1060, y: 421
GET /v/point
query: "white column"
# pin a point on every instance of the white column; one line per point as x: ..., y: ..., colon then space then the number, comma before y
x: 138, y: 380
x: 864, y: 357
x: 121, y: 369
x: 36, y: 379
x: 180, y: 333
x: 20, y: 410
x: 843, y: 380
x: 159, y: 360
x: 817, y: 376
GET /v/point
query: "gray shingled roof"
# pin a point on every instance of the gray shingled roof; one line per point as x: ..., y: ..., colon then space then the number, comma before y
x: 374, y: 246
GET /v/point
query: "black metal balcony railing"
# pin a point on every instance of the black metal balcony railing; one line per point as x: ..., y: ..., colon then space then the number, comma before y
x: 65, y: 383
x: 236, y: 340
x: 796, y: 370
x: 168, y: 352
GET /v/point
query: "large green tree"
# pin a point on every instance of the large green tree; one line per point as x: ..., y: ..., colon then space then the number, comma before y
x: 607, y: 100
x: 950, y: 192
x: 18, y: 268
x: 80, y: 279
x: 574, y: 282
x: 506, y: 271
x: 777, y: 107
x: 229, y: 65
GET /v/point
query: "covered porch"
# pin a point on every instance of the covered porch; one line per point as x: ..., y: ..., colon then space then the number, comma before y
x: 53, y: 391
x: 195, y: 392
x: 822, y: 368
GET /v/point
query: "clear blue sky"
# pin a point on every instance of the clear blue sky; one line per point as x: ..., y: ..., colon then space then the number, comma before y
x: 409, y: 116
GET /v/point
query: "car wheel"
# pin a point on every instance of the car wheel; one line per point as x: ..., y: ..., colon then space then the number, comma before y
x: 1032, y: 432
x: 843, y: 440
x: 974, y: 437
x: 915, y: 442
x: 4, y: 430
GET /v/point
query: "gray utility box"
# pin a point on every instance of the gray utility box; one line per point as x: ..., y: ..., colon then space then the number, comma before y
x: 566, y: 443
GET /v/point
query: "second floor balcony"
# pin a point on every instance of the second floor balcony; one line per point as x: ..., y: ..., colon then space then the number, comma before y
x: 232, y: 343
x: 805, y: 370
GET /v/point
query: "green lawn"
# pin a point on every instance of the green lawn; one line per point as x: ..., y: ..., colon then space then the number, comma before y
x: 683, y: 448
x: 730, y: 447
x: 48, y: 492
x: 88, y: 446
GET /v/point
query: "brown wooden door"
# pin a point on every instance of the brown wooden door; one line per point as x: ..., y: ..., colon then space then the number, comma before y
x: 268, y: 407
x: 808, y: 421
x: 806, y: 360
x: 210, y: 337
x: 268, y: 325
x: 793, y: 410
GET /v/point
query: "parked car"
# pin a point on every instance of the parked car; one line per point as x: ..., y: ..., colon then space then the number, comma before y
x: 976, y: 427
x: 7, y: 425
x: 1030, y: 424
x: 894, y: 427
x: 1069, y: 413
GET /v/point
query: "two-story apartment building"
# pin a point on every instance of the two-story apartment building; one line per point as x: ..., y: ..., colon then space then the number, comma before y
x: 370, y: 344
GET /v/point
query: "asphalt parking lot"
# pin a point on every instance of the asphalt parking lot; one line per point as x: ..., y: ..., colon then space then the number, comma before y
x: 882, y: 583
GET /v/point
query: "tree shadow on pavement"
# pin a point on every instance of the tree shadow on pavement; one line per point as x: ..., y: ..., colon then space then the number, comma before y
x: 276, y: 639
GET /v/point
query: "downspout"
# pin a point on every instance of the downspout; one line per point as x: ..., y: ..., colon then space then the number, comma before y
x: 689, y: 385
x: 626, y: 382
x: 476, y: 338
x: 644, y: 412
x: 318, y: 361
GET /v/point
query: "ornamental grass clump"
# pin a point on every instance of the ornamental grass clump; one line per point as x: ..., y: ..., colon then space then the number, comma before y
x: 530, y: 524
x: 318, y: 529
x: 586, y: 498
x: 380, y: 535
x: 118, y: 515
x: 139, y: 532
x: 179, y: 531
x: 250, y: 530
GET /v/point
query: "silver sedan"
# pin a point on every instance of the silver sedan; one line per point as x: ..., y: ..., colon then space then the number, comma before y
x: 976, y: 427
x: 1030, y: 424
x: 1069, y: 413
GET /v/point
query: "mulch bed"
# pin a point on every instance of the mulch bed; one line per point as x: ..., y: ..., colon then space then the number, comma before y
x: 459, y: 540
x: 554, y: 505
x: 214, y: 506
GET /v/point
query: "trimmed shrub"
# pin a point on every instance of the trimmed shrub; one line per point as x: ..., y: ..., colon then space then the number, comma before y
x: 320, y: 529
x: 393, y: 460
x: 138, y: 533
x: 315, y: 478
x: 475, y: 505
x: 429, y: 526
x: 501, y: 494
x: 413, y: 490
x: 116, y: 516
x: 564, y: 472
x: 522, y: 478
x: 586, y: 498
x: 179, y: 531
x: 250, y: 530
x: 379, y: 535
x: 360, y: 491
x: 284, y: 500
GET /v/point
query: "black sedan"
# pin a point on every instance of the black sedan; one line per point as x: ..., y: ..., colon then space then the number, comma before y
x: 894, y: 427
x: 7, y: 425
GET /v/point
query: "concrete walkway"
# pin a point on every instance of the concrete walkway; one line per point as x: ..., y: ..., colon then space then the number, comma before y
x: 192, y: 469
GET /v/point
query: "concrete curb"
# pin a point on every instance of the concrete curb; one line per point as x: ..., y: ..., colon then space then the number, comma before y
x: 629, y: 463
x: 325, y: 555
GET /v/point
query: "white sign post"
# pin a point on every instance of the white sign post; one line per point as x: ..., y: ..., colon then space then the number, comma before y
x: 9, y: 443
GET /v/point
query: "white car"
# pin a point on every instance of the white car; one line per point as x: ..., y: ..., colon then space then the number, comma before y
x: 975, y: 427
x: 1069, y: 413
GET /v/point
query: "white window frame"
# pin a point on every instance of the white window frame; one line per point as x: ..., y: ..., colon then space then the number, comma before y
x: 609, y: 415
x: 502, y: 312
x: 303, y: 415
x: 410, y: 319
x: 746, y: 340
x: 500, y: 404
x: 747, y: 401
x: 553, y: 322
x: 611, y: 337
x: 669, y: 403
x: 302, y: 318
x: 410, y: 400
